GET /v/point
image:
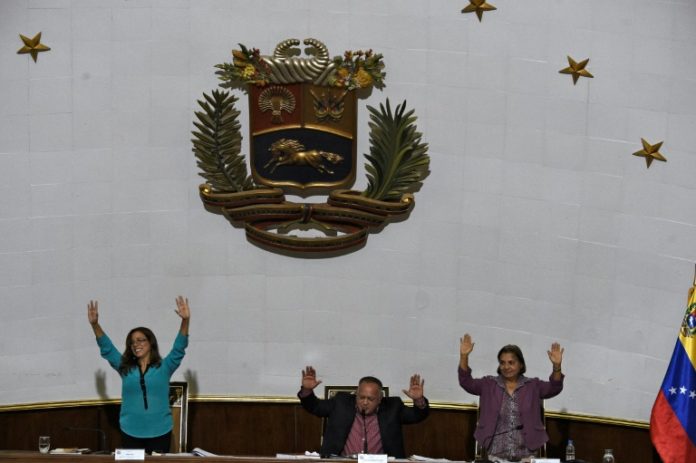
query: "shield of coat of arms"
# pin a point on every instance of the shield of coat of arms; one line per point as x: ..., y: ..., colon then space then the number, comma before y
x: 303, y: 123
x: 303, y: 137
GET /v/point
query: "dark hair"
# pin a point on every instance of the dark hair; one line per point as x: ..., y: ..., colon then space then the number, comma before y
x: 517, y: 352
x: 370, y: 379
x: 128, y: 358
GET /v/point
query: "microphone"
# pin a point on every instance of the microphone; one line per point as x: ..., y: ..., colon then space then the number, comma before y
x: 364, y: 431
x: 102, y: 435
x: 488, y: 442
x: 485, y: 445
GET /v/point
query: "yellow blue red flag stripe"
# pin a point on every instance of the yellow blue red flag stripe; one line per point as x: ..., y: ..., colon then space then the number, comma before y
x: 673, y: 417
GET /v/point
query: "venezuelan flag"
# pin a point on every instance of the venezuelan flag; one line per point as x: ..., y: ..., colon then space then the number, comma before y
x: 673, y: 417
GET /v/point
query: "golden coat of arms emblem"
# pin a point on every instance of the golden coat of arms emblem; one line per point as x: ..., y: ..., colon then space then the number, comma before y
x: 303, y: 121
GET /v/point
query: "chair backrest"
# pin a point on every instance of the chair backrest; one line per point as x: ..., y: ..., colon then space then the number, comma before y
x: 178, y: 401
x: 479, y: 450
x: 330, y: 391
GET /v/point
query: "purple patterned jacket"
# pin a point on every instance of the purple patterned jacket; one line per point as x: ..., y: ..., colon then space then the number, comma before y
x: 529, y: 397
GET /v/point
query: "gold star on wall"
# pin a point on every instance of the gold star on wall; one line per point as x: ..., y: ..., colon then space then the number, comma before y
x: 478, y: 7
x: 577, y: 70
x: 32, y: 46
x: 650, y: 152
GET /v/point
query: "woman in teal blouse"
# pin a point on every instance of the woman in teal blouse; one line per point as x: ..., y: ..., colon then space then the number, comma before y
x: 146, y: 419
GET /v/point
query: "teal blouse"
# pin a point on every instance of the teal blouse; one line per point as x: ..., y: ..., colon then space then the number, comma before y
x: 145, y: 408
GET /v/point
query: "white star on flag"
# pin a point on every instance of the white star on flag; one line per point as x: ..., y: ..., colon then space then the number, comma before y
x: 672, y: 390
x: 692, y: 394
x: 682, y: 390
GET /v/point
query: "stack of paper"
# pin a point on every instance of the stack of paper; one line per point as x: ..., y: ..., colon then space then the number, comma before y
x: 199, y: 452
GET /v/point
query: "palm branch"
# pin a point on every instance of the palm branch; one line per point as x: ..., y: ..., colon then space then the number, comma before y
x: 398, y: 160
x: 217, y: 144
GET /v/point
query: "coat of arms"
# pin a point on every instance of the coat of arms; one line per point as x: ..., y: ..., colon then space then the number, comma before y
x: 303, y: 141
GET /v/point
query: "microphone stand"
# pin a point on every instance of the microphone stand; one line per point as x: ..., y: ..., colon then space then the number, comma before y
x: 489, y: 441
x: 364, y: 431
x: 486, y: 444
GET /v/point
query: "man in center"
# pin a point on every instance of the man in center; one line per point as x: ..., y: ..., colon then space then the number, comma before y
x: 364, y: 422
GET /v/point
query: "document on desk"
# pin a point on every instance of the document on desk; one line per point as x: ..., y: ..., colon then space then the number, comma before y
x: 372, y: 458
x: 199, y: 452
x: 296, y: 456
x: 422, y: 458
x: 69, y: 451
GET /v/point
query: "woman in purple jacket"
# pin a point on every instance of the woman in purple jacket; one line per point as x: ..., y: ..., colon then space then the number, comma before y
x: 510, y: 426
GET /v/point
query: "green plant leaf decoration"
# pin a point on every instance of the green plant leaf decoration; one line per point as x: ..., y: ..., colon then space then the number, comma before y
x: 217, y: 144
x: 398, y: 159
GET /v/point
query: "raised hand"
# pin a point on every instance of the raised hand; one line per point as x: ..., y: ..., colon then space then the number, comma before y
x: 415, y: 389
x: 556, y: 355
x: 309, y: 378
x: 465, y: 345
x: 93, y: 318
x: 93, y: 312
x: 182, y: 308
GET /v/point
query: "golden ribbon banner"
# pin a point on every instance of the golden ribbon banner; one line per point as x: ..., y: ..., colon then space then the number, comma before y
x: 347, y: 215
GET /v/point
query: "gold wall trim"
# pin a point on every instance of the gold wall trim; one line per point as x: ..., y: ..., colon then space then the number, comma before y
x: 246, y: 399
x: 569, y: 416
x: 453, y: 406
x: 61, y: 404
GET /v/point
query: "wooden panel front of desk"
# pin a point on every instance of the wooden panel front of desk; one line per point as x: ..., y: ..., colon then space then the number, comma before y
x: 268, y: 428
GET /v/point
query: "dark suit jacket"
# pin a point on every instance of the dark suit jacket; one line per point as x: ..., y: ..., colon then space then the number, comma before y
x: 340, y: 413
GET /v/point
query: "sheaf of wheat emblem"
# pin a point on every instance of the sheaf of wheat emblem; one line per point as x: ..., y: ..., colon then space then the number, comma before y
x: 303, y: 121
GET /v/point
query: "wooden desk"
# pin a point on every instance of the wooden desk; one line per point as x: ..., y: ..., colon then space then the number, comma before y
x: 260, y: 428
x: 23, y: 456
